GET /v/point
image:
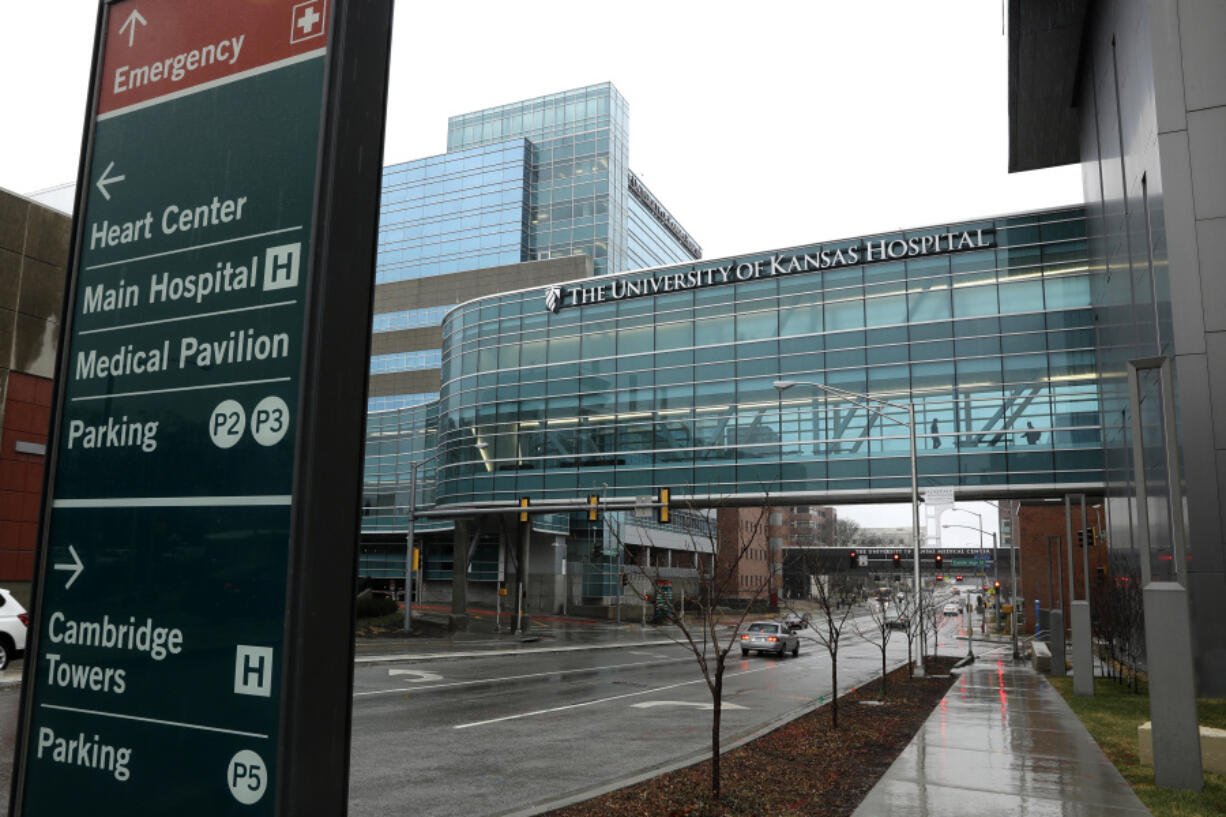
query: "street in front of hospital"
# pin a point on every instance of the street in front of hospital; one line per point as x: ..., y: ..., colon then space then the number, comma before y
x: 490, y: 724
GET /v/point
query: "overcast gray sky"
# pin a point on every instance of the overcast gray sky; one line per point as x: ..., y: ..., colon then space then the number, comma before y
x: 759, y: 127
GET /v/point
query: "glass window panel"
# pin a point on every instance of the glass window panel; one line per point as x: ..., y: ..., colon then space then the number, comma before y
x: 562, y: 349
x: 887, y: 310
x: 635, y: 340
x: 800, y: 320
x: 971, y: 301
x: 674, y: 335
x: 1065, y: 291
x: 1022, y: 296
x: 711, y: 331
x: 756, y: 326
x: 928, y: 300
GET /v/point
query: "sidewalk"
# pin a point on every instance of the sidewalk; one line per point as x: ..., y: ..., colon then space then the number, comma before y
x: 1002, y: 741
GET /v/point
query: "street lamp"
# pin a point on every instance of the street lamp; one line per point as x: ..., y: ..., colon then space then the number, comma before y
x: 411, y: 533
x: 853, y: 397
x: 970, y: 629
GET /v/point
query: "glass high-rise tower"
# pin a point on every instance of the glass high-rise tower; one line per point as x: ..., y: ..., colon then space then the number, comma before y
x: 545, y: 178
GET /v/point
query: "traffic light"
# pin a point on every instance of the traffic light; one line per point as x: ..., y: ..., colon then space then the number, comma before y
x: 593, y: 502
x: 1090, y: 536
x: 897, y: 560
x: 939, y: 561
x: 662, y: 511
x: 1081, y: 538
x: 996, y: 586
x: 957, y: 578
x: 523, y: 504
x: 852, y: 561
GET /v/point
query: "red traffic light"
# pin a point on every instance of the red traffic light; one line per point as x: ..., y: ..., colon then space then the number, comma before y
x: 897, y: 558
x: 957, y: 578
x: 996, y: 585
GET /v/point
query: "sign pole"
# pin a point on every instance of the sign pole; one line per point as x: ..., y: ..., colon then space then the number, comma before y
x: 205, y: 461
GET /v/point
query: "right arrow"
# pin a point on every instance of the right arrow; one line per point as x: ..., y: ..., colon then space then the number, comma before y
x: 103, y: 181
x: 76, y: 566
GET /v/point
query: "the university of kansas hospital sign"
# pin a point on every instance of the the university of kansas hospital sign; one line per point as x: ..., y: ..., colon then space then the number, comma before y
x: 865, y: 251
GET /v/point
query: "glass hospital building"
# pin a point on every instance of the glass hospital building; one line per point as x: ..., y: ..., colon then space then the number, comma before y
x: 665, y: 377
x: 623, y: 384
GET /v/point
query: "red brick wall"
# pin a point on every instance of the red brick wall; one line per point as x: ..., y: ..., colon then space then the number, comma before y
x: 1035, y: 524
x: 27, y: 409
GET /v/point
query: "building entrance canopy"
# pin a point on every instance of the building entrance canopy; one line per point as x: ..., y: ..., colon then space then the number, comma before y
x: 666, y: 378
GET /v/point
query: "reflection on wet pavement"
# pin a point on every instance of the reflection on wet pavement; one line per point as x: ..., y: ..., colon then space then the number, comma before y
x: 1002, y: 741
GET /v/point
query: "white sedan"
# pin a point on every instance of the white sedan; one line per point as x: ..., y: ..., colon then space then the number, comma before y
x: 769, y: 636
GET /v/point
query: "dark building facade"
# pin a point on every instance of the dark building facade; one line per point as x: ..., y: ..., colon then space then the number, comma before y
x: 1136, y: 92
x: 33, y: 259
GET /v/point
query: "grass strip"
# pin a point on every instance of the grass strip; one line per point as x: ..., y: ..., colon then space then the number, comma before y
x: 1112, y: 716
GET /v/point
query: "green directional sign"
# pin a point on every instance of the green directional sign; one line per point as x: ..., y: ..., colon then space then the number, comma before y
x: 175, y: 526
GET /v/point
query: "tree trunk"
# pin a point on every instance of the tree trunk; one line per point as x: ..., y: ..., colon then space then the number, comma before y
x: 716, y: 699
x: 834, y: 695
x: 910, y: 663
x: 883, y: 672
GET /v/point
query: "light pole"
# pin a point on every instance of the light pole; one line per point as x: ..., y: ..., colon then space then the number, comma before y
x: 853, y: 397
x: 408, y: 555
x: 411, y: 533
x: 970, y: 629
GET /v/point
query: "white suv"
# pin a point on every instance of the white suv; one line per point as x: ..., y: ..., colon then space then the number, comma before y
x: 14, y: 621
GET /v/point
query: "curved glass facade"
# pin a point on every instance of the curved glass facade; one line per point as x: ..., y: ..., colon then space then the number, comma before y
x: 665, y: 377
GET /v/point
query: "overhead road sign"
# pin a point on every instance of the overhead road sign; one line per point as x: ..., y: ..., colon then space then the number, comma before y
x: 202, y: 486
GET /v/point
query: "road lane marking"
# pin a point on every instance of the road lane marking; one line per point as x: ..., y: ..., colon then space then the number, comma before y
x: 554, y: 673
x: 422, y: 675
x: 696, y: 705
x: 603, y: 700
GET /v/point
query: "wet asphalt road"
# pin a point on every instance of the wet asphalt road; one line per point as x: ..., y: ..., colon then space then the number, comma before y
x: 491, y: 736
x: 495, y: 735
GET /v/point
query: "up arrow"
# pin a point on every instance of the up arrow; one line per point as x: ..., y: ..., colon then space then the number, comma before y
x: 130, y: 24
x: 76, y: 566
x: 103, y: 181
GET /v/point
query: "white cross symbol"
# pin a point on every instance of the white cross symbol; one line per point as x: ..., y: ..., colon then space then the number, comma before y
x: 308, y: 20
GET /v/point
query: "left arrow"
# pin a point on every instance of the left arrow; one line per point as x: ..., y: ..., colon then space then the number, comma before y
x: 130, y: 24
x: 103, y: 181
x: 76, y: 566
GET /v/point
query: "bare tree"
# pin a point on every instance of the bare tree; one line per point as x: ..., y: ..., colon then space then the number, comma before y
x: 721, y: 585
x: 932, y: 615
x: 846, y: 533
x: 910, y: 616
x: 832, y: 595
x: 877, y: 629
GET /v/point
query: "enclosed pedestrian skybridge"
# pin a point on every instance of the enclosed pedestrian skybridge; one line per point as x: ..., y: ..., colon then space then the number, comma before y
x: 619, y: 385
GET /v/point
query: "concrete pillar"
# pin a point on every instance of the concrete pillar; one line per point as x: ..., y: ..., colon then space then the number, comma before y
x: 457, y: 621
x: 521, y: 576
x: 1055, y: 641
x: 1172, y: 687
x: 1083, y: 659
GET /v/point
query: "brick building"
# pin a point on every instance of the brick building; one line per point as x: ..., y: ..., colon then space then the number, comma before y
x: 33, y: 259
x: 1042, y: 538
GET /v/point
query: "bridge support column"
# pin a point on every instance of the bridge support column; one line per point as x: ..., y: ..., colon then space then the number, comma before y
x: 457, y: 621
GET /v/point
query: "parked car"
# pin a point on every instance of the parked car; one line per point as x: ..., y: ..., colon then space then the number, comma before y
x: 952, y: 609
x: 769, y: 636
x: 899, y: 622
x: 795, y: 621
x: 14, y: 621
